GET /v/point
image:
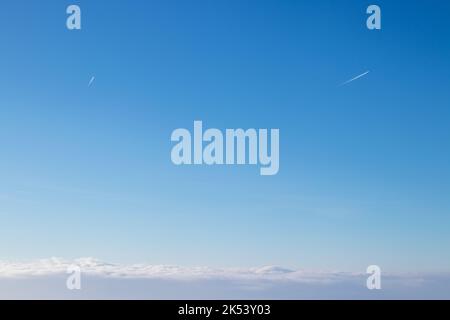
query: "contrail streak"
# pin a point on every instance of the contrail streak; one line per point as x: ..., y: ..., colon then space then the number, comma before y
x: 91, y: 81
x: 355, y: 78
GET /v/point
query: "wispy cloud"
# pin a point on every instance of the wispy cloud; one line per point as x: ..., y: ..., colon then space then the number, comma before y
x: 355, y: 78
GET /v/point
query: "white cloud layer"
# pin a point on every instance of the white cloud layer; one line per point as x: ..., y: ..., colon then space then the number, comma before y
x: 46, y: 279
x: 94, y: 267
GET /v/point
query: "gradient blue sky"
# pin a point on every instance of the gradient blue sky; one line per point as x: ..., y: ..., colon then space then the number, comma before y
x: 364, y: 168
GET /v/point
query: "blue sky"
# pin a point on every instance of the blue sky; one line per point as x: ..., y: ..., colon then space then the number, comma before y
x: 364, y: 168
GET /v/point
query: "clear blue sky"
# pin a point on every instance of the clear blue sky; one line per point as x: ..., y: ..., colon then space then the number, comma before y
x: 364, y: 168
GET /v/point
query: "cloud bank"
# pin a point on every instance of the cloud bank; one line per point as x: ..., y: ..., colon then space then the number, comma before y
x: 46, y: 279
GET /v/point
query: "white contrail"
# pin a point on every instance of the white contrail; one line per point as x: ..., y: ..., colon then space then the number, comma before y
x: 91, y: 81
x: 355, y: 78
